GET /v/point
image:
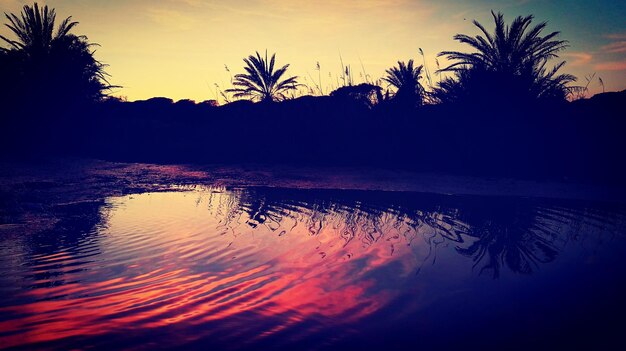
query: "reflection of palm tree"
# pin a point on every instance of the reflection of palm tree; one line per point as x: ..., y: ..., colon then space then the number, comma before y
x: 519, y: 238
x: 512, y: 55
x: 405, y: 78
x: 52, y: 61
x: 508, y: 234
x: 262, y: 82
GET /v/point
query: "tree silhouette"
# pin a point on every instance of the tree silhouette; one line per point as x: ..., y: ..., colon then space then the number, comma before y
x: 405, y: 79
x: 34, y: 30
x: 55, y: 64
x: 262, y: 82
x: 364, y: 94
x: 452, y: 89
x: 512, y: 59
x: 549, y: 85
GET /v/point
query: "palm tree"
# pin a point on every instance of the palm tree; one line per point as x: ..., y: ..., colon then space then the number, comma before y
x: 34, y: 30
x: 515, y: 55
x: 452, y: 89
x: 508, y: 49
x: 405, y: 79
x: 548, y: 85
x: 52, y: 63
x: 262, y: 82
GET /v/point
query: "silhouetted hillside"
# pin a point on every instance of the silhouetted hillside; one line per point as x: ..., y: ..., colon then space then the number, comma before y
x: 582, y: 140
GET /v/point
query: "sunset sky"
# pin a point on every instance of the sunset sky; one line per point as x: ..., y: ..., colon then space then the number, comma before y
x: 179, y: 48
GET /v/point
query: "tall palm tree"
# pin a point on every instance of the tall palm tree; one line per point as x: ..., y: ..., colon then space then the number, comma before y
x: 508, y: 49
x: 56, y: 64
x: 405, y: 79
x: 262, y: 82
x: 35, y: 30
x: 515, y: 54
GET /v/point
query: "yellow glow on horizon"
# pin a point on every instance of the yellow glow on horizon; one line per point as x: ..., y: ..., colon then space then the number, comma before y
x: 179, y: 48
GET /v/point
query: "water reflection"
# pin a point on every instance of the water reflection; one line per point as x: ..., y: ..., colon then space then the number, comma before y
x: 272, y: 268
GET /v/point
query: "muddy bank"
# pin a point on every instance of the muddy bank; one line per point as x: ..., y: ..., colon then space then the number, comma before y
x: 36, y: 196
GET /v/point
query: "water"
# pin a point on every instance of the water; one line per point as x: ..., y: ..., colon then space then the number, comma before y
x: 269, y: 268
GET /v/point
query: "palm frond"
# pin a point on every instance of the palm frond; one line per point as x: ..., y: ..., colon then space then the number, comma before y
x: 261, y: 81
x: 404, y: 78
x: 66, y: 59
x: 518, y: 51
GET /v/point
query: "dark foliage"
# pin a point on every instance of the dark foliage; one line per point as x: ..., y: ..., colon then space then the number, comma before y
x: 508, y: 65
x: 49, y: 77
x: 354, y: 126
x: 42, y: 64
x: 364, y: 94
x: 579, y: 140
x: 405, y: 80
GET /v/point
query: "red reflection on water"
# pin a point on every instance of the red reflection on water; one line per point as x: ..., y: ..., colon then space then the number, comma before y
x: 281, y: 276
x: 178, y: 296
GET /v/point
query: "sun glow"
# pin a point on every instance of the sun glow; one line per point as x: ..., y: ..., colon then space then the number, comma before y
x: 190, y: 49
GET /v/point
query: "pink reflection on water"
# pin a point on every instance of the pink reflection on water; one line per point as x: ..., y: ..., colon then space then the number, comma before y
x: 193, y: 258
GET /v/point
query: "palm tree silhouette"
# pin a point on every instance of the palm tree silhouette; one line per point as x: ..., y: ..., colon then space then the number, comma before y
x: 452, y: 89
x: 35, y: 28
x: 515, y: 56
x: 549, y: 85
x: 262, y: 82
x: 405, y: 79
x: 52, y: 62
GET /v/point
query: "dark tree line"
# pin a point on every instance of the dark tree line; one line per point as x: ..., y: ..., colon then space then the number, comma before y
x: 512, y: 64
x: 47, y: 64
x: 500, y: 112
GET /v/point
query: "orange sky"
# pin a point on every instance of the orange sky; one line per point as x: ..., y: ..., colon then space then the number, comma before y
x: 179, y: 48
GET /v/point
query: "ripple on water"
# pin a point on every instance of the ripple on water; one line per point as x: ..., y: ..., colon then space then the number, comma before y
x: 244, y: 267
